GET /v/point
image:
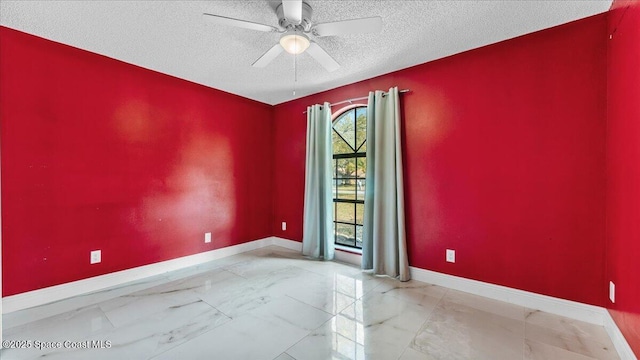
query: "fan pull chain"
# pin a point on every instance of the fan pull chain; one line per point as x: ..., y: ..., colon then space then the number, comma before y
x: 295, y: 73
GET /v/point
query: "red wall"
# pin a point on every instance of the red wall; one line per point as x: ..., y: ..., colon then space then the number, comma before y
x: 504, y: 161
x: 623, y: 168
x: 99, y: 154
x: 504, y: 154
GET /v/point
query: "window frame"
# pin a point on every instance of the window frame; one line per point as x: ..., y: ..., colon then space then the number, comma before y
x: 337, y: 200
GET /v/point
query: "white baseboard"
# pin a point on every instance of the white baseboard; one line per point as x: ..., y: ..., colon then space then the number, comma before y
x: 348, y: 257
x: 286, y: 243
x: 340, y: 255
x: 588, y: 313
x: 621, y: 344
x: 575, y: 310
x: 583, y: 312
x: 58, y: 292
x: 571, y: 309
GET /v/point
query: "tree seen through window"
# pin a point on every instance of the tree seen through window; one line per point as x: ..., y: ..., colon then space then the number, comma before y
x: 349, y: 164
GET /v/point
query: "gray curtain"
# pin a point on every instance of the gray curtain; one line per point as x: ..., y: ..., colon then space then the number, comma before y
x: 317, y: 238
x: 384, y: 245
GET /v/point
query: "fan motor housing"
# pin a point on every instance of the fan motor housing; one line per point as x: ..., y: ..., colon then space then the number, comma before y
x: 305, y: 23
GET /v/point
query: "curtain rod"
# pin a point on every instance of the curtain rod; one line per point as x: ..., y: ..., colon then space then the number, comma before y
x: 350, y: 101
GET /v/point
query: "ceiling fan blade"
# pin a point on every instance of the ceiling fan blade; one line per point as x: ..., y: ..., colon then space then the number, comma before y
x: 268, y: 57
x: 322, y: 57
x: 292, y: 10
x: 223, y: 20
x: 356, y: 26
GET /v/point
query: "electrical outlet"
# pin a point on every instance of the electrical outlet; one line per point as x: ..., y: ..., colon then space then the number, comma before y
x: 612, y: 291
x: 96, y: 256
x: 284, y: 226
x: 451, y: 256
x: 207, y: 237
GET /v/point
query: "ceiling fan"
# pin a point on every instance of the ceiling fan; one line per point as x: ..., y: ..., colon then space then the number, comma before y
x: 295, y: 25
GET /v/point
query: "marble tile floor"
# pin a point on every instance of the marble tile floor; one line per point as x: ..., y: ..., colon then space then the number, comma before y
x: 272, y: 303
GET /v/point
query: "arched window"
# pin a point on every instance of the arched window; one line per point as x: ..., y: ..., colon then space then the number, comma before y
x: 350, y: 165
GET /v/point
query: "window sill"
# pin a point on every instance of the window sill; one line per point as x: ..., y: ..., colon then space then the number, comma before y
x: 348, y: 249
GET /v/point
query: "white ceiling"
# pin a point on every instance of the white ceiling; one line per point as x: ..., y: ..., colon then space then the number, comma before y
x: 172, y: 37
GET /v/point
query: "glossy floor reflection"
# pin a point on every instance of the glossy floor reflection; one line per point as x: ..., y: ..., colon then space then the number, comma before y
x: 274, y: 304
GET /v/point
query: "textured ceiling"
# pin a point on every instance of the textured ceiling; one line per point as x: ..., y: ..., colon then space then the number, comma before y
x: 173, y: 38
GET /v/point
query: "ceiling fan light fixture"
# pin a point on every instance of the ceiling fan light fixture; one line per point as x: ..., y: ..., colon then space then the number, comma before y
x: 294, y: 42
